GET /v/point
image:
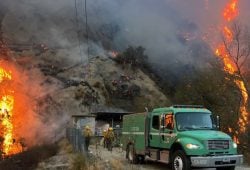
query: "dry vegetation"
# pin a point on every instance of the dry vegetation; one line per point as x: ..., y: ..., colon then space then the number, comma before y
x: 29, y: 159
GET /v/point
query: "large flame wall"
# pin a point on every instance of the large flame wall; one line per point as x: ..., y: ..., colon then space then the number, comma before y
x: 20, y: 123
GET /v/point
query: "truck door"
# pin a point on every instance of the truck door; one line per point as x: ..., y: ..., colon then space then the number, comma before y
x: 154, y: 139
x: 167, y: 131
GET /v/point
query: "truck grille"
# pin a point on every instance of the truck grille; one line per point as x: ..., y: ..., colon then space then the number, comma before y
x: 218, y: 144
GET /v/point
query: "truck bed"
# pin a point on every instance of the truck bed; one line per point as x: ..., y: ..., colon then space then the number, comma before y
x: 134, y: 130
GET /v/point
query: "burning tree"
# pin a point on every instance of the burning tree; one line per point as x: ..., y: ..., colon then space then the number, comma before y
x: 234, y: 51
x: 236, y: 41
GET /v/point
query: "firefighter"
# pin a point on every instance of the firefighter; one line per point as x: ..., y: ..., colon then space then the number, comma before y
x: 104, y: 133
x: 87, y: 133
x: 169, y: 122
x: 110, y: 138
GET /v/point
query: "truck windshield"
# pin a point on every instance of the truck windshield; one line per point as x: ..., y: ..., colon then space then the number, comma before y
x: 194, y: 121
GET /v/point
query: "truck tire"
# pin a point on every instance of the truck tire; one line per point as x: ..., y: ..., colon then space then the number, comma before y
x: 226, y: 168
x: 132, y: 157
x: 180, y: 161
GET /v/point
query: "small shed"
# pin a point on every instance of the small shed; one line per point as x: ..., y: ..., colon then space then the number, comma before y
x: 79, y: 121
x: 107, y: 117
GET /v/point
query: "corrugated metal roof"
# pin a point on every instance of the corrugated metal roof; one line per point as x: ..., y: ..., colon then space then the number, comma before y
x: 101, y: 109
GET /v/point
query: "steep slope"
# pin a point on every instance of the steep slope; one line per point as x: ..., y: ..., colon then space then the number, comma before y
x: 43, y: 42
x: 104, y: 83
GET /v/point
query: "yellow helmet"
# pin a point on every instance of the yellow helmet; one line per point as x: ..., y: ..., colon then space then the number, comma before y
x: 110, y: 129
x: 87, y: 127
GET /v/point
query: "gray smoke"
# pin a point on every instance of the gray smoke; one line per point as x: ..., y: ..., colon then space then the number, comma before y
x: 115, y: 24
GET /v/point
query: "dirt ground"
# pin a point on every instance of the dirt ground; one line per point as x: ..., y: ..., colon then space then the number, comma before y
x: 117, y: 159
x: 98, y: 158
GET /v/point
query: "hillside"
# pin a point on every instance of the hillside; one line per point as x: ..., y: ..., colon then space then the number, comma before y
x: 72, y: 85
x: 103, y: 83
x: 42, y: 41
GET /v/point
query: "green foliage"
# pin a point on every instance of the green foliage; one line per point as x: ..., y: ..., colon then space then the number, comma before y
x: 132, y: 56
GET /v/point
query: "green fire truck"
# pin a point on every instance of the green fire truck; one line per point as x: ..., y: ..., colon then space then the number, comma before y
x: 183, y: 136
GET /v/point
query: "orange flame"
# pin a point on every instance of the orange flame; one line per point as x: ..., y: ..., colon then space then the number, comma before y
x: 114, y: 54
x: 244, y: 114
x: 19, y: 120
x: 228, y: 33
x: 6, y: 112
x: 229, y: 65
x: 230, y: 13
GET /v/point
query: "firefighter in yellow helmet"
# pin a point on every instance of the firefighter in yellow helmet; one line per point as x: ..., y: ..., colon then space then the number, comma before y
x: 87, y: 133
x: 104, y: 133
x: 110, y: 137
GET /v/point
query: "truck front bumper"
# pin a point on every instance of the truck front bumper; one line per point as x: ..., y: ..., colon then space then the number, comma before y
x: 216, y: 161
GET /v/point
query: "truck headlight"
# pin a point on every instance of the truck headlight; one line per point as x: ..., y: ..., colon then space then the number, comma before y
x: 234, y: 145
x: 192, y: 146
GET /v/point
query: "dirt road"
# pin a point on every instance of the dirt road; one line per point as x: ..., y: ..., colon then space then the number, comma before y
x: 117, y: 159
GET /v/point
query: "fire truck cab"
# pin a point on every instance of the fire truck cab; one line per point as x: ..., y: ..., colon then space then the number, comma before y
x: 183, y: 136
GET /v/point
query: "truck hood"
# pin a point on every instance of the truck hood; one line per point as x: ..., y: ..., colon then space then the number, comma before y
x: 202, y: 135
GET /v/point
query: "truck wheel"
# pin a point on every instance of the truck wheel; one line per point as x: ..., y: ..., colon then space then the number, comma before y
x: 132, y: 157
x: 226, y: 168
x: 180, y: 161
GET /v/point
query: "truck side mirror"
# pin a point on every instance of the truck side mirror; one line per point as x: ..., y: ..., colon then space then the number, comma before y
x: 217, y: 122
x: 162, y: 121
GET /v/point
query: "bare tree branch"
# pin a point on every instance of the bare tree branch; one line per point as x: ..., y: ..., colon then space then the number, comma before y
x: 237, y: 47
